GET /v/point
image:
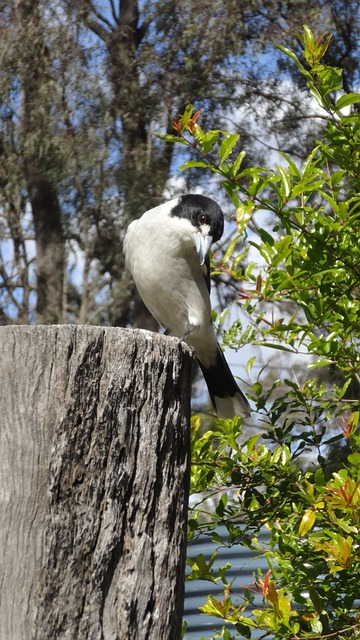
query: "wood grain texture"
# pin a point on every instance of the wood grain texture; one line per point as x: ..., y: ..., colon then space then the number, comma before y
x: 94, y: 458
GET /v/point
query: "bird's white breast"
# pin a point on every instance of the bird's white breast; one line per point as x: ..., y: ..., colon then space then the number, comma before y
x: 160, y: 253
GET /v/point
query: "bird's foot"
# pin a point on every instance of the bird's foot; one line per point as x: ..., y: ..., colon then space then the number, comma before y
x: 189, y: 329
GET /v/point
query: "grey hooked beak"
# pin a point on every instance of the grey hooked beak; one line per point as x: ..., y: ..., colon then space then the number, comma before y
x: 203, y: 244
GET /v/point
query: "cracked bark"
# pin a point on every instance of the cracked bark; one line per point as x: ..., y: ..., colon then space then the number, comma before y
x: 94, y: 458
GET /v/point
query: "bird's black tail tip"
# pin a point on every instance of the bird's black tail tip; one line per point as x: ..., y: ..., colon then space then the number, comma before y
x: 227, y: 399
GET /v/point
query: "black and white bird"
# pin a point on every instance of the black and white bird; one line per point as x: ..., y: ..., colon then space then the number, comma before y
x: 167, y: 253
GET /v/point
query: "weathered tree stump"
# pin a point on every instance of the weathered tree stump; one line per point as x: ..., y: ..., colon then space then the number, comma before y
x: 94, y: 457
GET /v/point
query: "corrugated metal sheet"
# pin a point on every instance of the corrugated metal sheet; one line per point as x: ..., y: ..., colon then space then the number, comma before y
x: 244, y: 563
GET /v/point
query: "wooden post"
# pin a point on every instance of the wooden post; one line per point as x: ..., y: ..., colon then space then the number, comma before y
x: 94, y: 459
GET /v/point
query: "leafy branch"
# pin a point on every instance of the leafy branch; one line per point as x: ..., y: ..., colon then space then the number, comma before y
x: 309, y: 268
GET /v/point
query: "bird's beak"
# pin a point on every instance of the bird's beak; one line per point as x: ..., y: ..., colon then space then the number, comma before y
x: 203, y: 244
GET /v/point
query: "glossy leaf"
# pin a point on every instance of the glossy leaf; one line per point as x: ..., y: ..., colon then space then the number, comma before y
x: 227, y: 146
x: 307, y: 522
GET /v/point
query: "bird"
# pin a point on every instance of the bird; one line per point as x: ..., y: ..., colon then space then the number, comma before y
x: 167, y: 253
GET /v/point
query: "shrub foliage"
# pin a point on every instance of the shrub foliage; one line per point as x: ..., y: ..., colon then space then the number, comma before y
x: 303, y: 300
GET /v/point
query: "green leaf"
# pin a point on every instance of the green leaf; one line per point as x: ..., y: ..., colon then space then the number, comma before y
x: 249, y: 364
x: 289, y: 53
x: 347, y: 100
x: 221, y: 317
x: 320, y: 99
x: 193, y: 163
x: 319, y: 478
x: 266, y: 237
x: 329, y: 80
x: 354, y: 459
x: 227, y: 146
x: 309, y: 162
x: 230, y: 250
x: 250, y: 444
x: 238, y: 162
x: 285, y: 183
x: 315, y: 599
x: 323, y: 362
x: 186, y: 116
x: 308, y: 37
x: 257, y: 387
x: 274, y: 345
x: 208, y: 140
x: 316, y: 626
x: 283, y: 249
x: 170, y: 137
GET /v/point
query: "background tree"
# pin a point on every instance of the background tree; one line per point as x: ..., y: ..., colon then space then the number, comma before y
x: 81, y: 88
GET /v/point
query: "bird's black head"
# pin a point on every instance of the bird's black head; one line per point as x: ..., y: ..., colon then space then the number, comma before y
x: 201, y: 210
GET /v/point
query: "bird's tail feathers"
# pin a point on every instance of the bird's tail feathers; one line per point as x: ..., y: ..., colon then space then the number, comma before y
x: 227, y: 398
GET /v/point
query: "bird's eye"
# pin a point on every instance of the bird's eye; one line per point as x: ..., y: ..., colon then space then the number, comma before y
x: 202, y: 218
